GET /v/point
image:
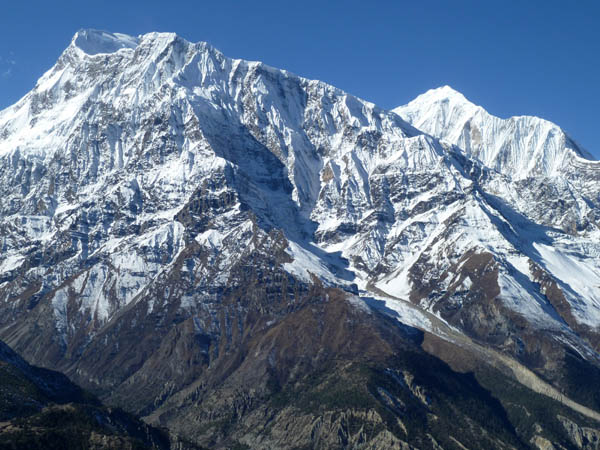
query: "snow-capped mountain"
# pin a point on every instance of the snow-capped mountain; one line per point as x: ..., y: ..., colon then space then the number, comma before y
x: 519, y: 147
x: 157, y: 196
x: 536, y: 176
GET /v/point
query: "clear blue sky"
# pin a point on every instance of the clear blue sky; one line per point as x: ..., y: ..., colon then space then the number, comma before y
x: 512, y: 57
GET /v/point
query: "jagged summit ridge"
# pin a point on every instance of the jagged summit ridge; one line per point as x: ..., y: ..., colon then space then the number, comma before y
x: 519, y: 146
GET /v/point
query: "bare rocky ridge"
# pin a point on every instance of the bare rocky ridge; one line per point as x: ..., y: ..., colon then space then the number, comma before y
x: 171, y: 220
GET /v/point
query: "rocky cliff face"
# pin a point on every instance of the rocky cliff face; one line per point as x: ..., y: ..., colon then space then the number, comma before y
x: 167, y: 214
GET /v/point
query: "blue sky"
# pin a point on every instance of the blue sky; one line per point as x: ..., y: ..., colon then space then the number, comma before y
x: 512, y: 57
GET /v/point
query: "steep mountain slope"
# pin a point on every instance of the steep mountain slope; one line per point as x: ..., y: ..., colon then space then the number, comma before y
x: 40, y: 408
x: 167, y: 213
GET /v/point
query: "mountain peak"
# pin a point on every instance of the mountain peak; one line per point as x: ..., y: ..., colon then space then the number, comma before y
x: 444, y: 91
x: 444, y: 95
x: 520, y: 146
x: 94, y: 42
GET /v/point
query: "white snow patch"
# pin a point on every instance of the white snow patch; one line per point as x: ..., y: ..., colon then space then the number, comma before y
x: 399, y: 285
x: 402, y: 311
x: 466, y: 284
x: 582, y: 279
x: 211, y: 238
x: 59, y: 306
x: 11, y: 262
x: 304, y: 263
x: 359, y: 303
